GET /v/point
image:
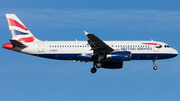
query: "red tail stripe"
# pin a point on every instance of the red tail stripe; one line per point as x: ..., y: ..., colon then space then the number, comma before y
x: 29, y: 39
x: 12, y: 22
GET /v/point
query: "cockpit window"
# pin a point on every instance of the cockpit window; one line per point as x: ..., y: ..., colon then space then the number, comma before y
x: 166, y: 46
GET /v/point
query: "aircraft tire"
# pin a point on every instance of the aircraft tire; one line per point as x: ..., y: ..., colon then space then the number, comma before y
x: 98, y: 65
x: 93, y: 70
x: 155, y: 67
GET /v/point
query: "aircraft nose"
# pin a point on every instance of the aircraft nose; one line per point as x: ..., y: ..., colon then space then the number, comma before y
x: 175, y: 52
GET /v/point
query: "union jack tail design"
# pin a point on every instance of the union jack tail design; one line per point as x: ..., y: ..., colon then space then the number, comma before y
x: 18, y: 30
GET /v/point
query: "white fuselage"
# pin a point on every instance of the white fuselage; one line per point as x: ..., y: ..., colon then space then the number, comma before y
x: 54, y: 49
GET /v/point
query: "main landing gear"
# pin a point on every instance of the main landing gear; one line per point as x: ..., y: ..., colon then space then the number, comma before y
x: 154, y: 63
x: 93, y: 70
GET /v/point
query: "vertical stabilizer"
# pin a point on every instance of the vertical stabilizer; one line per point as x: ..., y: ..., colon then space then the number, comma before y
x: 18, y: 30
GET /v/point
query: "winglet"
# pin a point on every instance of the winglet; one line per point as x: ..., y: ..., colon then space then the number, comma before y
x: 86, y: 33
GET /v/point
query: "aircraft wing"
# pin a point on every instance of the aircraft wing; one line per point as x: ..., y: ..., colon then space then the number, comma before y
x: 98, y: 46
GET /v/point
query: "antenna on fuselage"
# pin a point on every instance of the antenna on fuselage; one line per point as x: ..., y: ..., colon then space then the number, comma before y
x: 76, y: 39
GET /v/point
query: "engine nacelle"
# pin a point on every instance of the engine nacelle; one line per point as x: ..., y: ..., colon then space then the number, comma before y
x: 110, y: 64
x: 85, y: 56
x: 120, y: 56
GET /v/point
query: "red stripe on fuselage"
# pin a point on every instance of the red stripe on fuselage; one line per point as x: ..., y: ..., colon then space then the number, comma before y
x: 28, y: 39
x: 12, y: 22
x: 151, y: 44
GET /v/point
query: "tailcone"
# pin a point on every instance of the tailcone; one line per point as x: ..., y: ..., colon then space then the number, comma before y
x: 8, y: 46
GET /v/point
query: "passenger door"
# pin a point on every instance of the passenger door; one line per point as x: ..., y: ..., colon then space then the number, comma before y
x: 41, y: 46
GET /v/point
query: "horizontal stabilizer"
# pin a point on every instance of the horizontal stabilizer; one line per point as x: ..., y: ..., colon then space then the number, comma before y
x: 16, y: 43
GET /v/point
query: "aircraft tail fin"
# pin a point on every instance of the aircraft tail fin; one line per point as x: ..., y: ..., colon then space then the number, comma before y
x: 18, y: 30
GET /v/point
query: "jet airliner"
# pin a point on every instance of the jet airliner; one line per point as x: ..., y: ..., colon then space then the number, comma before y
x: 103, y: 54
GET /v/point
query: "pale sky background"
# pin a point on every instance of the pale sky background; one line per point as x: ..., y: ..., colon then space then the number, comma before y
x: 28, y: 78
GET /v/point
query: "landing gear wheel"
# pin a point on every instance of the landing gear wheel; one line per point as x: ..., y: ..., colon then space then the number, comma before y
x: 98, y: 65
x: 154, y: 63
x: 93, y: 70
x: 155, y: 67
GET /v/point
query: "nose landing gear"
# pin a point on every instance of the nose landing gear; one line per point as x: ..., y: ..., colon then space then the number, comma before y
x: 154, y: 63
x: 155, y: 67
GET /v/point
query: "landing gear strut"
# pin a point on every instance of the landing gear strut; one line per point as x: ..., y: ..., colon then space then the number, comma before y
x: 154, y: 63
x: 93, y: 70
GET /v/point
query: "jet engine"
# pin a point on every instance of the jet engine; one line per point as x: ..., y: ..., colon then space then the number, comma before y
x: 110, y: 64
x: 119, y: 56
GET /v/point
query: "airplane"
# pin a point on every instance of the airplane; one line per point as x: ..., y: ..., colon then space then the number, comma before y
x: 103, y: 54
